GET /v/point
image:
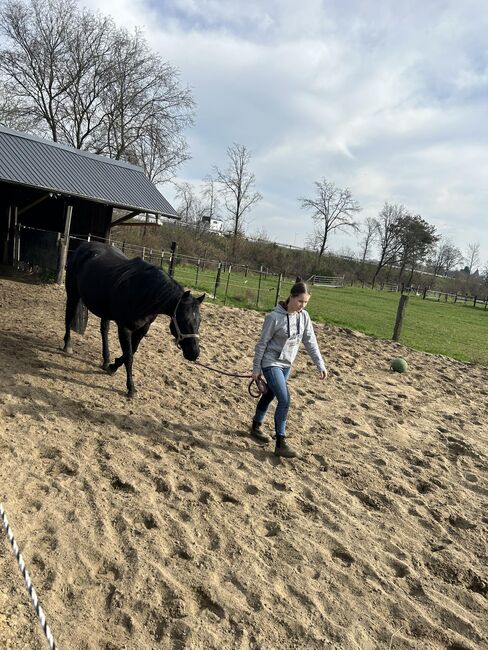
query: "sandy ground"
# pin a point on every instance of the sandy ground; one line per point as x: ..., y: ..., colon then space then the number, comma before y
x: 158, y: 523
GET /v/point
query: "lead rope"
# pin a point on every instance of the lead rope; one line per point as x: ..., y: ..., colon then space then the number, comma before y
x: 27, y: 580
x: 261, y: 385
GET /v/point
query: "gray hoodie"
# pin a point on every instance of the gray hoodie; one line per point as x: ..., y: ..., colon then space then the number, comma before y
x: 280, y: 339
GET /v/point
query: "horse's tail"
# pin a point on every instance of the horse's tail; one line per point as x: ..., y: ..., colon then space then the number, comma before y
x: 80, y: 318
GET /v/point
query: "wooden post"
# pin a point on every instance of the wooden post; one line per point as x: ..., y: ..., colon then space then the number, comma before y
x: 424, y: 293
x: 16, y: 256
x: 278, y: 288
x: 198, y: 271
x: 399, y: 317
x: 172, y: 259
x: 227, y: 283
x: 475, y: 299
x: 64, y: 246
x: 217, y: 279
x: 259, y: 285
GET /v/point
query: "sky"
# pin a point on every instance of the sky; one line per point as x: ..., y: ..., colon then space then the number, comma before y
x: 386, y: 97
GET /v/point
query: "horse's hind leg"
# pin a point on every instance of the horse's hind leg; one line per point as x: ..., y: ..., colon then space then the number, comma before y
x: 72, y: 300
x: 125, y: 338
x: 104, y: 328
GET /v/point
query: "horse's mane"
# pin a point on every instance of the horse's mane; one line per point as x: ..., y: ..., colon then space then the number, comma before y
x: 146, y: 288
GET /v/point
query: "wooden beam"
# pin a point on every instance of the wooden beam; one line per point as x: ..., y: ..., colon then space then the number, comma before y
x: 139, y: 223
x: 36, y: 202
x: 126, y: 217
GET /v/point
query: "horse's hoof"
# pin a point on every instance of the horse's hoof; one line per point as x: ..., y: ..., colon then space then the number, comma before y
x: 68, y: 349
x: 111, y: 368
x: 105, y: 366
x: 131, y: 394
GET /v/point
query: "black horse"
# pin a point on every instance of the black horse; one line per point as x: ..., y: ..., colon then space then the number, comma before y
x: 132, y: 293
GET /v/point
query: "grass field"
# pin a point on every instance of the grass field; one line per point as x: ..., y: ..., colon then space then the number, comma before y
x: 455, y: 330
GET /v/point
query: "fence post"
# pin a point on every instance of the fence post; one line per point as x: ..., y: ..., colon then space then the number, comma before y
x: 424, y: 293
x: 162, y: 259
x: 198, y: 271
x: 455, y: 297
x: 278, y: 288
x: 172, y: 259
x: 259, y: 284
x: 217, y: 279
x: 143, y: 252
x: 247, y: 269
x: 227, y: 283
x: 475, y: 299
x: 399, y: 317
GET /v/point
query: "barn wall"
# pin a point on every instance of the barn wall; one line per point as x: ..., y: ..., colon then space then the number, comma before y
x: 87, y: 218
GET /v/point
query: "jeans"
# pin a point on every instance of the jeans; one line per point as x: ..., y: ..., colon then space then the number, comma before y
x: 276, y: 379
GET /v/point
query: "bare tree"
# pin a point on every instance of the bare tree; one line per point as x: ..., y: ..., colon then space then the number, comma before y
x: 74, y: 76
x: 388, y: 235
x: 369, y: 229
x: 472, y: 256
x: 237, y: 183
x: 444, y: 257
x: 188, y: 207
x: 210, y: 202
x: 332, y: 208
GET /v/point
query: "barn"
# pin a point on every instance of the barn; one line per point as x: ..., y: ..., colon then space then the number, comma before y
x: 50, y: 191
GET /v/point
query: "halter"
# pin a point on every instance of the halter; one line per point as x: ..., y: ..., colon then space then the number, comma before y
x: 181, y: 336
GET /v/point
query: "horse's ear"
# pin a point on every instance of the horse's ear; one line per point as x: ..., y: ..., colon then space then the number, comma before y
x: 186, y: 294
x: 201, y: 298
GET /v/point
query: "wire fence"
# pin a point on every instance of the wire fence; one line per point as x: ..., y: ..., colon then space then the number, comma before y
x: 224, y: 282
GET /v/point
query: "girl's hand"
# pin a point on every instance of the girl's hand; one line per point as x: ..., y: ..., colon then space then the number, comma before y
x: 323, y: 374
x: 256, y: 376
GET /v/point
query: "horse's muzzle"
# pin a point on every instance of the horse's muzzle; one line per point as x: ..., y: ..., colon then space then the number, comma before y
x: 191, y: 352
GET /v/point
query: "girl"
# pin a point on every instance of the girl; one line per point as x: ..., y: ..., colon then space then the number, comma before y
x: 283, y: 329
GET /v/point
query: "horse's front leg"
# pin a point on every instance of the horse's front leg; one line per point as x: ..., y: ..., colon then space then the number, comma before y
x: 137, y: 337
x: 125, y: 338
x: 104, y: 328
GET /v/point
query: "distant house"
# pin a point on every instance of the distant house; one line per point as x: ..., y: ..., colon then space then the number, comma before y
x: 213, y: 225
x: 49, y: 190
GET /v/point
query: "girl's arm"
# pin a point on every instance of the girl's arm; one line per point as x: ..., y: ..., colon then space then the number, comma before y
x: 266, y: 335
x: 311, y: 345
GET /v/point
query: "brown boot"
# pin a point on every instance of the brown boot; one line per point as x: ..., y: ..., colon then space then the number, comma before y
x: 258, y: 433
x: 283, y: 449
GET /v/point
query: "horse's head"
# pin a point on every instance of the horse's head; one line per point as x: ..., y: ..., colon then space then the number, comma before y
x: 185, y: 323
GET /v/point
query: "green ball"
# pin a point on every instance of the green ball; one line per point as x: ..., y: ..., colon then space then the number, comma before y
x: 399, y: 365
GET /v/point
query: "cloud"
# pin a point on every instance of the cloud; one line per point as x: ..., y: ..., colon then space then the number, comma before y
x: 388, y: 99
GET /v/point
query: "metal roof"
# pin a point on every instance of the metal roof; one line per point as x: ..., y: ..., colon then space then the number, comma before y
x: 33, y: 162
